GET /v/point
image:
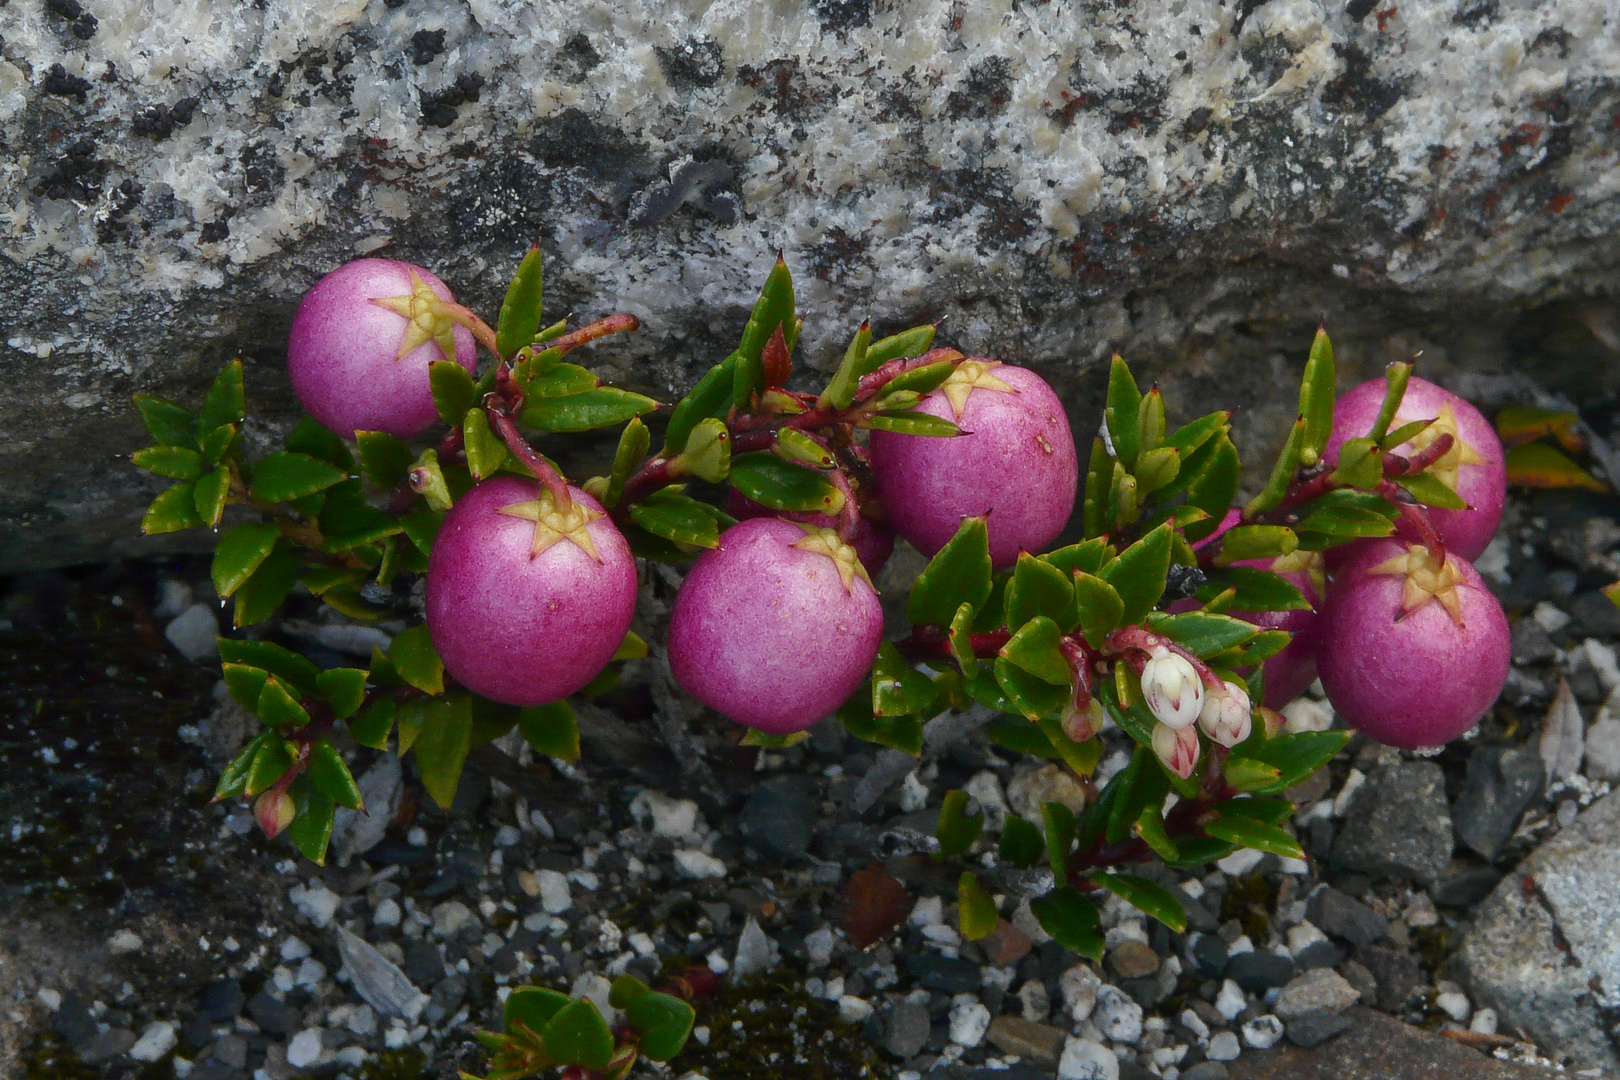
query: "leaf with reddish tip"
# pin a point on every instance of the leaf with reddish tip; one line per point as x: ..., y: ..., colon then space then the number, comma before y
x: 1540, y: 465
x: 274, y: 811
x: 874, y: 906
x: 1521, y: 424
x: 776, y: 362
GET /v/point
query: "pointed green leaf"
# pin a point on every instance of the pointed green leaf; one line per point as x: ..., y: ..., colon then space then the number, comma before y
x: 625, y: 989
x: 1021, y: 842
x: 1316, y: 395
x: 1243, y: 542
x: 957, y: 829
x: 1059, y: 822
x: 373, y: 725
x: 782, y: 485
x: 246, y: 683
x: 284, y: 476
x: 1396, y: 377
x: 240, y: 552
x: 234, y: 780
x: 1430, y: 490
x: 634, y: 442
x: 1191, y: 436
x: 453, y: 392
x: 1150, y: 828
x: 1157, y: 468
x: 296, y: 670
x: 1032, y: 696
x: 958, y: 574
x: 173, y: 510
x: 1034, y: 648
x: 978, y: 912
x: 170, y: 462
x: 710, y: 397
x: 1257, y: 590
x: 773, y: 308
x: 261, y: 595
x: 170, y: 424
x: 1213, y: 485
x: 897, y: 687
x: 1297, y: 756
x: 1124, y: 402
x: 678, y: 519
x: 1138, y: 574
x: 331, y: 776
x: 344, y: 688
x: 520, y: 311
x: 1071, y: 919
x: 279, y: 707
x: 562, y: 380
x: 551, y: 729
x: 840, y: 390
x: 441, y: 746
x: 921, y: 380
x: 1249, y: 833
x: 1247, y: 774
x: 911, y: 423
x: 903, y: 733
x: 312, y: 440
x: 578, y: 1035
x: 1407, y: 432
x: 603, y: 407
x: 1101, y: 607
x: 1204, y: 635
x: 1082, y: 757
x: 1144, y: 895
x: 1099, y: 486
x: 1039, y: 588
x: 1282, y: 474
x: 384, y: 459
x: 962, y: 639
x: 311, y: 829
x: 1088, y: 556
x: 226, y: 402
x: 485, y: 450
x: 270, y: 763
x: 533, y: 1007
x: 209, y: 494
x: 417, y: 662
x: 906, y: 344
x: 663, y: 1020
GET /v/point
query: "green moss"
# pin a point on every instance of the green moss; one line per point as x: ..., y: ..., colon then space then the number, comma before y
x: 395, y: 1065
x: 1248, y: 899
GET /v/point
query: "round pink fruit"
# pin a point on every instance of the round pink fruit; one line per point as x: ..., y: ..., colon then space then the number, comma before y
x: 1412, y: 652
x: 341, y: 353
x: 1475, y: 468
x: 873, y: 543
x: 519, y: 627
x: 1016, y: 463
x: 772, y: 630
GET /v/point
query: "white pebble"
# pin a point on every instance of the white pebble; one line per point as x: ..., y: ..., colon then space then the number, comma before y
x: 1230, y: 1001
x: 819, y: 947
x: 969, y: 1020
x: 1455, y: 1005
x: 305, y: 1048
x: 853, y: 1010
x: 1079, y: 986
x: 1303, y: 714
x: 1484, y: 1022
x: 387, y: 913
x: 158, y: 1039
x: 507, y: 836
x: 1240, y: 862
x: 316, y: 903
x: 51, y: 999
x: 927, y: 911
x: 1223, y: 1046
x: 1194, y: 1023
x: 1086, y: 1059
x: 451, y: 917
x: 125, y: 941
x: 294, y: 949
x: 697, y: 865
x: 1263, y: 1032
x: 1352, y: 784
x: 555, y: 896
x: 677, y: 819
x: 195, y: 632
x: 1117, y: 1016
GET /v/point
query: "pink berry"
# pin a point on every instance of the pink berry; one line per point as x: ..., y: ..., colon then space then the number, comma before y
x: 1016, y: 463
x: 1412, y: 652
x: 341, y: 353
x: 524, y: 628
x: 776, y: 627
x: 873, y: 542
x: 1475, y: 468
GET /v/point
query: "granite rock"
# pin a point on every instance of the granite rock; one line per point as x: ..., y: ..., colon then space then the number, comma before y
x: 1194, y: 186
x: 1399, y: 825
x: 1544, y: 950
x: 1499, y: 786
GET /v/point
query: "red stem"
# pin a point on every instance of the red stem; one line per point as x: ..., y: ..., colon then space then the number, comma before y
x: 601, y: 328
x: 520, y: 448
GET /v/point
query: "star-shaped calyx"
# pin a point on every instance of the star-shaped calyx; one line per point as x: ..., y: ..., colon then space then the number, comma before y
x: 1427, y: 578
x: 552, y: 525
x: 1446, y: 467
x: 824, y: 541
x: 1309, y: 562
x: 427, y: 318
x: 971, y: 375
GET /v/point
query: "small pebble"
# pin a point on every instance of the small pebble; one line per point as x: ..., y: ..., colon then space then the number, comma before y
x: 1230, y: 1001
x: 1263, y: 1032
x: 1223, y: 1046
x: 969, y: 1020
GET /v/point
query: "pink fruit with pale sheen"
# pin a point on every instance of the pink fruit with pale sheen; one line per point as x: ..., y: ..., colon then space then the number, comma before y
x: 767, y: 634
x: 1417, y: 679
x: 522, y: 630
x: 340, y: 353
x: 1476, y: 470
x: 873, y: 543
x: 1016, y: 464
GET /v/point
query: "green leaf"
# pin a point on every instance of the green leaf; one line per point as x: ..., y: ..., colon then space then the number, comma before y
x: 1242, y: 542
x: 678, y: 519
x: 903, y: 733
x: 240, y: 552
x: 897, y: 687
x: 331, y: 776
x: 1101, y: 607
x: 1282, y: 474
x: 1346, y: 522
x: 170, y: 462
x: 664, y: 1021
x: 1157, y: 468
x: 1034, y: 648
x: 442, y: 744
x: 311, y: 829
x: 173, y: 510
x: 1071, y: 919
x: 1020, y: 736
x: 1150, y: 828
x: 170, y: 424
x: 958, y: 574
x: 625, y: 989
x: 1196, y: 433
x: 1204, y: 635
x: 372, y: 726
x: 1021, y: 842
x: 226, y: 402
x: 1316, y: 395
x: 1270, y: 811
x: 1145, y: 896
x: 1060, y: 826
x: 296, y: 670
x: 1407, y: 432
x: 1125, y: 502
x: 906, y: 344
x: 708, y: 450
x: 634, y: 442
x: 841, y: 388
x: 1138, y: 574
x: 279, y: 707
x: 1212, y: 486
x: 258, y: 598
x: 533, y: 1007
x: 1087, y: 557
x: 603, y: 407
x: 921, y: 380
x: 773, y: 308
x: 978, y: 912
x: 384, y: 459
x: 1124, y: 402
x: 911, y: 423
x: 209, y: 494
x: 350, y: 522
x: 1396, y: 376
x: 344, y: 688
x: 1249, y: 833
x: 313, y: 440
x: 1296, y: 757
x: 427, y: 479
x: 520, y: 311
x: 270, y: 763
x: 551, y: 729
x: 1360, y: 464
x: 577, y: 1035
x: 961, y: 638
x: 1032, y: 696
x: 1082, y: 757
x: 782, y: 485
x: 246, y: 683
x: 562, y: 380
x: 416, y: 660
x: 1038, y: 588
x: 284, y: 476
x: 1257, y: 590
x: 1099, y: 483
x: 1145, y: 784
x: 1247, y: 774
x: 485, y: 451
x: 1432, y: 491
x: 710, y: 397
x: 957, y: 829
x: 1149, y: 429
x: 453, y: 391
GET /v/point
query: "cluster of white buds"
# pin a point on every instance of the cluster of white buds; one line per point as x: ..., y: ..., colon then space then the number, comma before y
x: 1225, y: 716
x: 1177, y: 748
x: 1172, y: 689
x: 1183, y: 705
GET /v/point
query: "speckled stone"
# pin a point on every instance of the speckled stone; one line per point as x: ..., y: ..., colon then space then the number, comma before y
x: 1184, y: 183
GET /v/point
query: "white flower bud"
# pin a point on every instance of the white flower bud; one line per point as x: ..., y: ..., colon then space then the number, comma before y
x: 1225, y: 716
x: 1177, y: 748
x: 1172, y: 689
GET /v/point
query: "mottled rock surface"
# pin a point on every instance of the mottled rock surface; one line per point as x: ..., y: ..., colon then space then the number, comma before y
x: 1399, y: 824
x: 1193, y: 184
x: 1545, y: 947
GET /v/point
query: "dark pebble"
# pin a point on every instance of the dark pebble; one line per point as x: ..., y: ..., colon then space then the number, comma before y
x: 274, y: 1016
x: 1318, y: 954
x: 1345, y: 917
x: 422, y: 964
x: 214, y: 1070
x: 943, y: 973
x: 74, y: 1022
x: 1596, y: 615
x: 1259, y: 971
x: 1055, y: 960
x: 1130, y: 1070
x: 221, y: 999
x: 1400, y: 824
x: 1500, y: 784
x: 1398, y: 974
x: 1209, y: 955
x: 1206, y: 1070
x: 1532, y: 644
x: 197, y: 1032
x: 1465, y: 883
x: 107, y: 1045
x: 1147, y: 991
x: 1313, y: 1028
x: 780, y: 815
